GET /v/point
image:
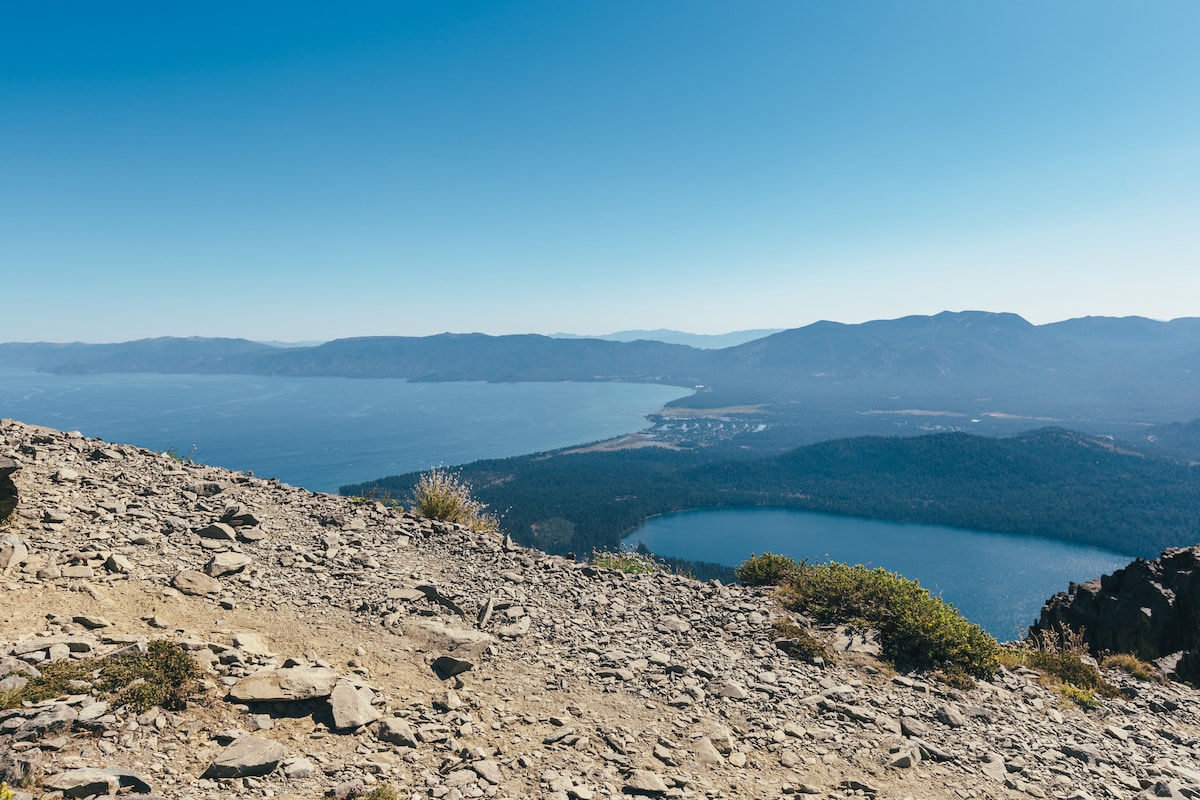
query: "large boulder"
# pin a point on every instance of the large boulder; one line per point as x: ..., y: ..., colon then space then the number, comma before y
x: 1148, y: 608
x: 8, y: 489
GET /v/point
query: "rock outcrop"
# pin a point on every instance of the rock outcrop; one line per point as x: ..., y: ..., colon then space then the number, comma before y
x: 8, y: 489
x: 358, y: 646
x: 1150, y: 609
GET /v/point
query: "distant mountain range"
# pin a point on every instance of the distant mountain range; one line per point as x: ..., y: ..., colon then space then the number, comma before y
x: 703, y: 341
x: 976, y: 365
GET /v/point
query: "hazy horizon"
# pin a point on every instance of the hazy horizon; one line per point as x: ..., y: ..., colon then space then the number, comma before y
x: 557, y: 334
x: 300, y: 171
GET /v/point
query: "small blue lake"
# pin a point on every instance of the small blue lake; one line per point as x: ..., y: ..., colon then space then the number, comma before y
x: 999, y: 581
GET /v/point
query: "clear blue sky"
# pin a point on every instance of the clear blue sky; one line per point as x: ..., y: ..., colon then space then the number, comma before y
x: 304, y: 171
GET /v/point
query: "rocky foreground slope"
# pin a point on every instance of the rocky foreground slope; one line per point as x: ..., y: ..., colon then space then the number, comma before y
x: 349, y: 647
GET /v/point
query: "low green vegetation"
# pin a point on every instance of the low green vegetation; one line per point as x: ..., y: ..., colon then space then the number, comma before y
x: 375, y: 495
x: 915, y: 628
x: 174, y: 454
x: 1131, y: 664
x: 630, y: 561
x: 444, y: 495
x: 1064, y: 663
x: 164, y: 676
x: 769, y: 569
x: 797, y: 642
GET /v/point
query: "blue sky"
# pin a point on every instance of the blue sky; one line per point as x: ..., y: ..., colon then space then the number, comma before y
x: 303, y: 171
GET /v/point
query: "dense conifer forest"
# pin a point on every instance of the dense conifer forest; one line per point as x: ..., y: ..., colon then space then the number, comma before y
x: 1051, y: 482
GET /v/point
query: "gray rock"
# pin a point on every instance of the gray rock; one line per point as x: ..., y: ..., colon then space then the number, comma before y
x: 1140, y: 609
x: 293, y: 683
x: 949, y: 715
x: 195, y: 583
x: 705, y: 752
x: 351, y: 706
x: 299, y: 768
x: 55, y: 718
x: 218, y: 530
x: 670, y: 623
x: 395, y: 730
x: 993, y: 767
x: 252, y: 643
x: 13, y: 552
x: 488, y: 770
x: 119, y: 564
x: 65, y: 475
x: 446, y: 667
x: 724, y: 687
x: 83, y: 782
x: 248, y: 756
x: 227, y: 563
x: 643, y: 781
x: 348, y: 789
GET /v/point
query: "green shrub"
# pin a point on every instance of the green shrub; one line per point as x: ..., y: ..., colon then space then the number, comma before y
x: 1062, y: 659
x: 163, y: 676
x: 441, y: 494
x: 629, y: 561
x: 769, y: 569
x: 1133, y: 665
x: 382, y: 792
x: 797, y: 642
x: 915, y: 628
x: 377, y: 496
x: 174, y: 454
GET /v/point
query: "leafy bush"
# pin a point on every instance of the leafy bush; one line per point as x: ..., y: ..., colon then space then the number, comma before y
x: 163, y: 676
x: 629, y: 561
x: 916, y: 629
x: 769, y: 569
x: 441, y: 494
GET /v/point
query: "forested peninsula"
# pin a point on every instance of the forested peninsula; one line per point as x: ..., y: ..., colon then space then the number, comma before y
x: 1050, y: 482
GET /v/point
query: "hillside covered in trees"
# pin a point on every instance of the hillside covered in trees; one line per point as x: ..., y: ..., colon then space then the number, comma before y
x: 1050, y: 482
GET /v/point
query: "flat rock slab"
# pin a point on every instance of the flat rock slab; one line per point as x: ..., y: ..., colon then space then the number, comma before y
x: 645, y: 782
x: 84, y: 782
x: 218, y: 530
x: 195, y: 583
x: 227, y: 564
x: 292, y: 683
x: 248, y: 756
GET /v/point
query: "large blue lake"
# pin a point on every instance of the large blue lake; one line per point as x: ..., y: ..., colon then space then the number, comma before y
x: 322, y: 433
x: 998, y: 581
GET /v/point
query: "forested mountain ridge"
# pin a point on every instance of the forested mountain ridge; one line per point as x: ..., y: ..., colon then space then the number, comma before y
x: 1050, y: 482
